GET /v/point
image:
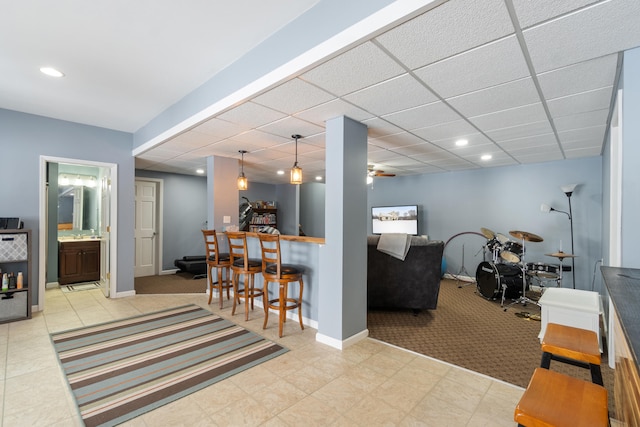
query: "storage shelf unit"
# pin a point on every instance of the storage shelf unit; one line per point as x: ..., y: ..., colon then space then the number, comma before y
x: 15, y: 257
x: 262, y: 217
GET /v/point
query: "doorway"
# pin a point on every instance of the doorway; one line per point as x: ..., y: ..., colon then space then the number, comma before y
x: 103, y: 226
x: 148, y: 223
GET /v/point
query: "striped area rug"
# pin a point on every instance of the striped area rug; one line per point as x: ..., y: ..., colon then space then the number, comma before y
x: 121, y: 369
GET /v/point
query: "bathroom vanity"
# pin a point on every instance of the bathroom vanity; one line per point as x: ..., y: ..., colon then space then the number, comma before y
x: 79, y: 261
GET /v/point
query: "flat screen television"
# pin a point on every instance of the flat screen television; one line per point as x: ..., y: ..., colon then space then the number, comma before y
x: 394, y: 219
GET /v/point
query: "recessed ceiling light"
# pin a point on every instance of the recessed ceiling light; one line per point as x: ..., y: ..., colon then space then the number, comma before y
x: 462, y: 142
x: 486, y: 157
x: 200, y: 171
x: 50, y: 71
x: 318, y: 178
x: 280, y: 172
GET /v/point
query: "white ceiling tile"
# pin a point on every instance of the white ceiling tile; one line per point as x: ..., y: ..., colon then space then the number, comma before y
x: 532, y: 12
x: 329, y: 110
x: 290, y: 126
x: 540, y: 150
x: 220, y: 128
x: 293, y: 96
x: 449, y: 130
x: 538, y: 157
x: 425, y: 115
x: 521, y: 131
x: 511, y: 117
x: 450, y: 28
x: 580, y: 103
x: 380, y: 155
x: 594, y: 74
x: 251, y: 115
x: 358, y: 68
x: 485, y: 66
x: 502, y: 97
x: 602, y: 29
x: 530, y: 142
x: 189, y: 141
x: 594, y: 133
x: 473, y: 140
x: 424, y: 148
x: 583, y: 152
x: 258, y: 139
x: 400, y: 93
x: 398, y: 140
x: 582, y: 120
x: 377, y: 127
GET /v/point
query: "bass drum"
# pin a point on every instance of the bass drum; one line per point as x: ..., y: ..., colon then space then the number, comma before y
x: 490, y: 278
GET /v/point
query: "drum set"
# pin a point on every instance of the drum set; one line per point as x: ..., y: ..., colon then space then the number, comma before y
x: 507, y: 275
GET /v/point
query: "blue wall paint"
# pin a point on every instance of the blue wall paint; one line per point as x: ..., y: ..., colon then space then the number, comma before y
x: 504, y: 199
x: 312, y: 199
x: 184, y: 215
x: 630, y: 156
x: 25, y: 137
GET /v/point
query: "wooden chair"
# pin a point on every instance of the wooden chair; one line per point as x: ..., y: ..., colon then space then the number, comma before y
x: 575, y: 346
x: 274, y: 271
x: 219, y: 261
x: 241, y: 264
x: 555, y: 399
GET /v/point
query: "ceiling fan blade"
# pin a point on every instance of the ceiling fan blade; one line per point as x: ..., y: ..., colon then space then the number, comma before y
x: 385, y: 174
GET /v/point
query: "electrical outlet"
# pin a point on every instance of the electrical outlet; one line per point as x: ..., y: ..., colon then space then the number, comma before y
x: 226, y: 219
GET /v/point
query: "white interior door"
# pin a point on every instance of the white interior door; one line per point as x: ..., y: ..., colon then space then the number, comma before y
x: 146, y: 228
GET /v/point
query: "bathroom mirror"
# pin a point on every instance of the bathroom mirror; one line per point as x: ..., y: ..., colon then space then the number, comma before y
x: 77, y: 208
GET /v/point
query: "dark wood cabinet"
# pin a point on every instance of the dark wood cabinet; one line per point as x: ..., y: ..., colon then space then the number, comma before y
x: 79, y: 262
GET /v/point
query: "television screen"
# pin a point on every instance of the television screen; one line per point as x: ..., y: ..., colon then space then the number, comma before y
x: 394, y: 219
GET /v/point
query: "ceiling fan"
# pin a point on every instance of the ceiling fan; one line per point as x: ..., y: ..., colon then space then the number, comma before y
x: 377, y: 172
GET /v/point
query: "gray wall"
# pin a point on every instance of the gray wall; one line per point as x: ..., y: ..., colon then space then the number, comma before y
x: 184, y: 212
x: 630, y: 157
x: 25, y: 137
x: 504, y: 199
x: 312, y: 216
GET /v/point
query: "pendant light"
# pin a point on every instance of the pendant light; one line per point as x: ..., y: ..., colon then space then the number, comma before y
x: 296, y: 171
x: 242, y: 180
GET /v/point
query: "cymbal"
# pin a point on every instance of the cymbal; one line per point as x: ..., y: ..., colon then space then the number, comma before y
x: 487, y: 233
x: 524, y: 235
x: 561, y: 255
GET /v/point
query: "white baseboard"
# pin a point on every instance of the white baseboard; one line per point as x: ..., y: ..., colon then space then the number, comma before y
x: 342, y: 344
x: 123, y: 294
x: 167, y: 272
x: 460, y: 278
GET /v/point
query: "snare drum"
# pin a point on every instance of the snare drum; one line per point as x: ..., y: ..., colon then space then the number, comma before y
x: 539, y: 269
x: 490, y: 277
x: 512, y: 252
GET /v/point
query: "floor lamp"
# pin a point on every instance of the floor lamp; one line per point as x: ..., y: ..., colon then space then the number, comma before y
x: 568, y: 191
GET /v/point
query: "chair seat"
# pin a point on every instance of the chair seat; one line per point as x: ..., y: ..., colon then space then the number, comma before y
x: 222, y: 257
x: 252, y: 263
x: 285, y: 269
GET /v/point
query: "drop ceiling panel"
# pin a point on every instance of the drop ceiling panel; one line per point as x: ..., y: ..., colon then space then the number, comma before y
x: 329, y: 110
x: 580, y: 103
x: 380, y: 155
x: 539, y: 157
x: 529, y: 129
x: 449, y: 130
x: 532, y: 12
x: 511, y: 117
x: 189, y: 141
x: 251, y: 115
x: 358, y: 68
x: 543, y: 150
x: 594, y: 133
x: 220, y: 128
x: 399, y: 93
x: 583, y: 152
x: 293, y: 96
x: 594, y: 74
x: 581, y: 120
x: 291, y: 125
x: 602, y: 29
x: 450, y: 28
x: 378, y: 127
x: 502, y: 97
x: 424, y: 148
x: 485, y: 66
x: 398, y: 140
x: 473, y: 140
x: 258, y: 139
x: 530, y: 142
x: 423, y: 116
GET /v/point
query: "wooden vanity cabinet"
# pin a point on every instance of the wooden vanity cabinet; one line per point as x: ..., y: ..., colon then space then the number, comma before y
x: 79, y: 262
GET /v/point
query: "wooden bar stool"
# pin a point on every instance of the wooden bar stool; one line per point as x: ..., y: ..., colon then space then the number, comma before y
x: 219, y: 261
x: 241, y: 264
x: 558, y: 400
x: 575, y: 346
x: 274, y: 271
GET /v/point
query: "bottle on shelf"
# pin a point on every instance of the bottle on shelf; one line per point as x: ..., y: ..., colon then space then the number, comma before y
x: 5, y: 282
x: 20, y: 280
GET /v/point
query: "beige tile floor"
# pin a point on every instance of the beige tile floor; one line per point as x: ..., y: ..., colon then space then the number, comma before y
x: 367, y: 384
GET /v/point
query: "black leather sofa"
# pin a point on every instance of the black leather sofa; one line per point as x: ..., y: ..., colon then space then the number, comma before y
x: 410, y: 284
x: 196, y: 265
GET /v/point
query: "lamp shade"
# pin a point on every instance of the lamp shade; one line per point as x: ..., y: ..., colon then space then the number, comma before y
x: 296, y: 174
x: 242, y: 181
x: 545, y: 208
x: 568, y: 189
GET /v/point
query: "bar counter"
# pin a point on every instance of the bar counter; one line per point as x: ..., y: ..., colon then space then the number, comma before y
x: 623, y: 286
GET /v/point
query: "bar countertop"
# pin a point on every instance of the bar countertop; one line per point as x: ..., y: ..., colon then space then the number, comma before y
x: 623, y: 285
